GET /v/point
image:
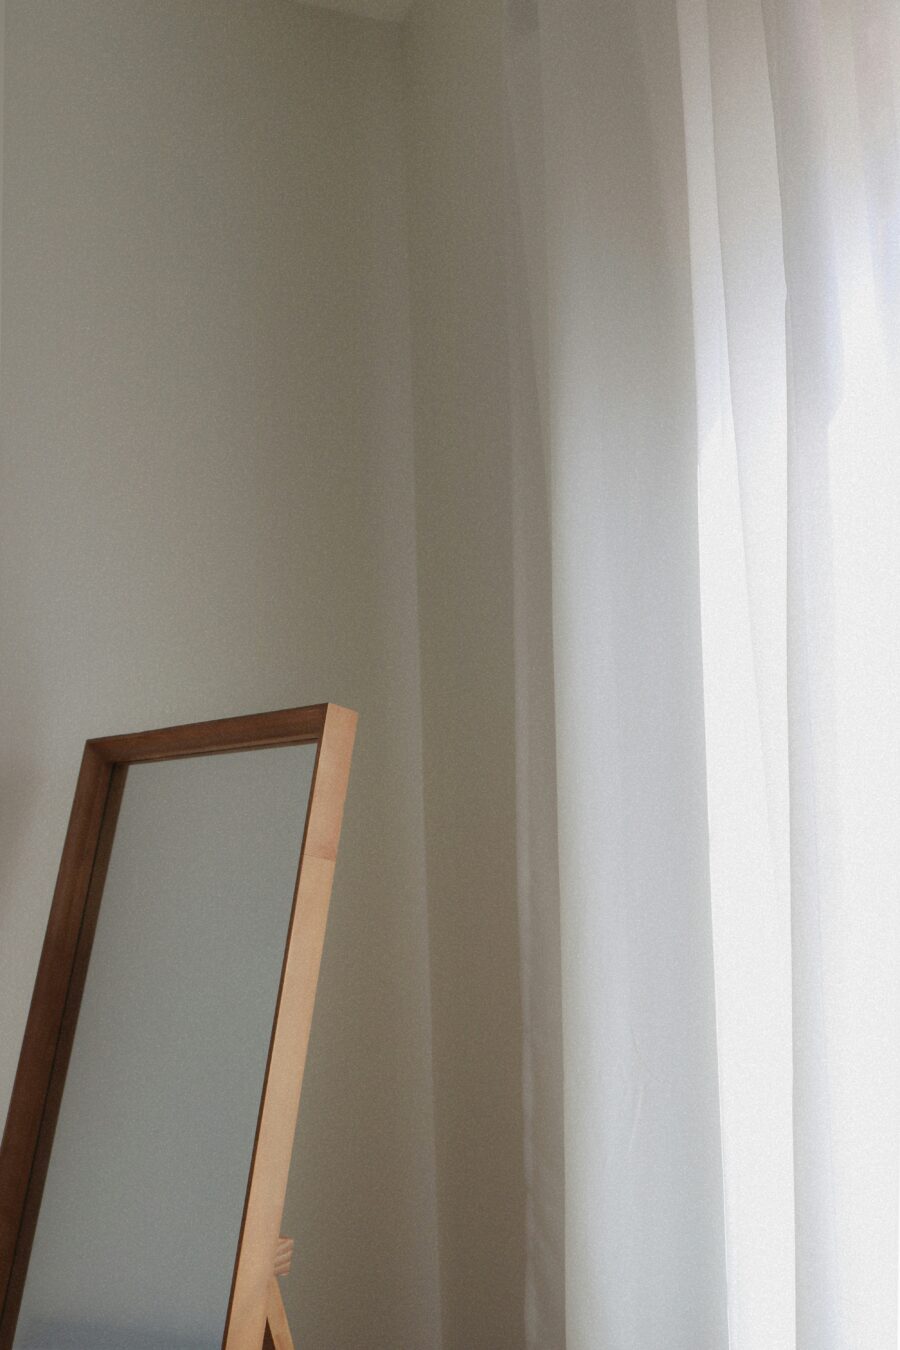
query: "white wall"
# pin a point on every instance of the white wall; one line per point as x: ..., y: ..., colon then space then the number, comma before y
x: 206, y: 508
x: 455, y: 131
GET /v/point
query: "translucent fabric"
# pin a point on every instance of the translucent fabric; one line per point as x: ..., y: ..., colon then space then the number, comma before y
x: 705, y: 228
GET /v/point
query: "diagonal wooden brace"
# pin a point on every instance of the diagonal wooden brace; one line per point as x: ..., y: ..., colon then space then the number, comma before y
x: 278, y: 1333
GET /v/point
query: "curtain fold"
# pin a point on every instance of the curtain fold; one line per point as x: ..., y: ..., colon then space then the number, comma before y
x: 705, y: 276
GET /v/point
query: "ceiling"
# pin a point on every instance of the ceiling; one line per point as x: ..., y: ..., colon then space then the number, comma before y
x: 372, y: 9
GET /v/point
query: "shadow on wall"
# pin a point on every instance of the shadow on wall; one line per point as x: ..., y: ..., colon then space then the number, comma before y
x: 18, y: 800
x: 465, y: 550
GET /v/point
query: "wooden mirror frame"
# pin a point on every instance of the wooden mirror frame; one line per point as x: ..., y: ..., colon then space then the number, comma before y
x: 254, y: 1308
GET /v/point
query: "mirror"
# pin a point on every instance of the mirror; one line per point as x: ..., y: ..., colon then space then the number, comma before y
x: 156, y: 1128
x: 152, y: 1222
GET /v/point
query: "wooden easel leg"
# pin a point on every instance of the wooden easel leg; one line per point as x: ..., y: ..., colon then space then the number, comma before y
x: 278, y: 1333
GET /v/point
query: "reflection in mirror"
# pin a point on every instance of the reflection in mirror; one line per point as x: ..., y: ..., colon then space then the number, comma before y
x: 139, y: 1225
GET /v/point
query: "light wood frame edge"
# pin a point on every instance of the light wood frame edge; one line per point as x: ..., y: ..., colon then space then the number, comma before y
x: 49, y: 1032
x: 246, y: 1323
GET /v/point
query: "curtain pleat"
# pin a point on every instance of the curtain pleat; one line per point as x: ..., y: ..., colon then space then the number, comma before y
x: 705, y: 246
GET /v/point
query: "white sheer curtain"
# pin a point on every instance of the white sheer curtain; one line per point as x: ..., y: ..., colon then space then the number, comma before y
x: 705, y: 305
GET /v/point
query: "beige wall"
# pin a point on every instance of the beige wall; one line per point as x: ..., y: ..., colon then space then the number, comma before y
x: 206, y: 508
x: 460, y: 363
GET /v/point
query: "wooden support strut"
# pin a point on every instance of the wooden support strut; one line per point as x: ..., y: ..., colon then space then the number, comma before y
x: 278, y: 1333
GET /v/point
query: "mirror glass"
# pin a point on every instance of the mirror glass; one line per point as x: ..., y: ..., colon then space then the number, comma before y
x: 139, y: 1224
